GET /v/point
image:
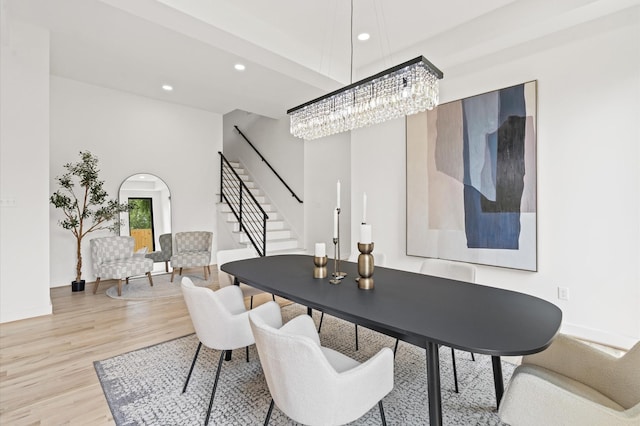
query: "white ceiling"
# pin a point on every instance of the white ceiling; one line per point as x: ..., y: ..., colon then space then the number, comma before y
x: 294, y: 50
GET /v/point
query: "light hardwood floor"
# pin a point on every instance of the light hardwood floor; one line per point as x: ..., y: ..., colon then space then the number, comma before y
x: 46, y: 363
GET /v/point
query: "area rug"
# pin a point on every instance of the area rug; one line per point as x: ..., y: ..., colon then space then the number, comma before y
x: 145, y: 386
x: 139, y: 288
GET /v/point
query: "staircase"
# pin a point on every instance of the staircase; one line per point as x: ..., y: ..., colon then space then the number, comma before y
x: 279, y: 238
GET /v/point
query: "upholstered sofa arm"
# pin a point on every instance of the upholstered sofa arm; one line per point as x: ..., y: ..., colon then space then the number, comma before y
x: 371, y: 380
x: 231, y: 298
x: 616, y: 378
x: 270, y: 313
x: 302, y: 325
x: 537, y: 396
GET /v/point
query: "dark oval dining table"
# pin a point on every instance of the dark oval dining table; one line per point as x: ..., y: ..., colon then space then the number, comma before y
x: 423, y: 310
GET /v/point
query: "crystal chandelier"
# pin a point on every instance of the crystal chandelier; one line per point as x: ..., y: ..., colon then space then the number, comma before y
x: 405, y: 89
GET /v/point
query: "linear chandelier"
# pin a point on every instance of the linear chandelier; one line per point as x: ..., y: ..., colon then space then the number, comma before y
x: 405, y: 89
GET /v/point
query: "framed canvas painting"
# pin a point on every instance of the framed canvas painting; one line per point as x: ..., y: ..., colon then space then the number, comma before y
x: 471, y: 179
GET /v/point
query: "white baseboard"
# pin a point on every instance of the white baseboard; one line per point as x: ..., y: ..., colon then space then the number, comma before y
x: 9, y: 315
x: 599, y: 336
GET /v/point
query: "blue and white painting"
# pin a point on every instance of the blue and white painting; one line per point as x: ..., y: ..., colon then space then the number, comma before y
x: 471, y: 179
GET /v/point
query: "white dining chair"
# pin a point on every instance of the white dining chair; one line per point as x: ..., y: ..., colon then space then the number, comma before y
x: 315, y: 385
x: 224, y: 279
x: 574, y: 383
x: 221, y: 322
x: 459, y: 271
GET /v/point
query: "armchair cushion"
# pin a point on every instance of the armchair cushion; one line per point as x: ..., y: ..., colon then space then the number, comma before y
x: 113, y: 257
x: 574, y: 383
x: 166, y: 250
x: 192, y: 249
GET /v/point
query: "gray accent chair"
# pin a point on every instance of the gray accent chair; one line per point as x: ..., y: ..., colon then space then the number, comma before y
x: 192, y: 249
x: 574, y: 383
x: 165, y: 252
x: 113, y: 258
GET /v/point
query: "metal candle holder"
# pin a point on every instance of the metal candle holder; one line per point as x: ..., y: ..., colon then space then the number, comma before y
x: 336, y: 275
x: 320, y: 269
x: 365, y: 266
x: 336, y: 242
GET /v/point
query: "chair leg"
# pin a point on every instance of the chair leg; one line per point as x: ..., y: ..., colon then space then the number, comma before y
x: 395, y: 348
x: 455, y: 372
x: 473, y: 358
x: 193, y: 364
x: 251, y: 303
x: 173, y: 272
x: 384, y: 421
x: 266, y: 421
x: 119, y: 287
x: 215, y: 385
x: 95, y: 286
x: 247, y: 349
x: 356, y: 337
x: 321, y: 318
x: 206, y: 276
x: 150, y: 280
x: 273, y: 296
x: 166, y: 266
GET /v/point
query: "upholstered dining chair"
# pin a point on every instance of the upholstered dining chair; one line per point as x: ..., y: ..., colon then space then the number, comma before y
x: 113, y: 258
x: 165, y: 252
x: 379, y: 261
x: 574, y: 383
x: 224, y: 279
x: 459, y: 271
x: 192, y: 249
x: 315, y: 385
x: 221, y: 322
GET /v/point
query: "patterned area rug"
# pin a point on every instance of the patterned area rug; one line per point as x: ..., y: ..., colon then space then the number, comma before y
x: 144, y: 386
x: 139, y: 288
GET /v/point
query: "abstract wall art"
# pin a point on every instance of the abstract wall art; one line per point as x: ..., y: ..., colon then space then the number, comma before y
x: 471, y: 179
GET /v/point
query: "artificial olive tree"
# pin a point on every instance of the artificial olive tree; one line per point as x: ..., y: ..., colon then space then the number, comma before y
x: 85, y: 203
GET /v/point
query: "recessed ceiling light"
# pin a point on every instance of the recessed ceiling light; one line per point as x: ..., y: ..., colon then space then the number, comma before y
x: 239, y: 67
x: 363, y: 36
x: 167, y: 87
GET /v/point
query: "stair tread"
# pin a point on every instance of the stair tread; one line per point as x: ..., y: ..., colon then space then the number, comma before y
x: 279, y: 236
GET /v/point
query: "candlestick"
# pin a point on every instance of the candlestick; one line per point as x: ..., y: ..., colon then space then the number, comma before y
x: 365, y: 233
x: 365, y: 266
x: 336, y: 278
x: 337, y: 272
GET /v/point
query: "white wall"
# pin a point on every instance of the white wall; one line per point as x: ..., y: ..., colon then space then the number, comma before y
x: 588, y: 175
x: 131, y: 134
x: 24, y: 172
x: 326, y: 161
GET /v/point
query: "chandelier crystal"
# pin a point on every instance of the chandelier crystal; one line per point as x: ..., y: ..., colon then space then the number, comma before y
x: 405, y: 89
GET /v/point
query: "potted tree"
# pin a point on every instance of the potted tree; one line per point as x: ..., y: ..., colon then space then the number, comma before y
x: 88, y: 210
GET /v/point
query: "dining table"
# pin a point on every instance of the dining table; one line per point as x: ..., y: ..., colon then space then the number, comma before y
x: 420, y: 309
